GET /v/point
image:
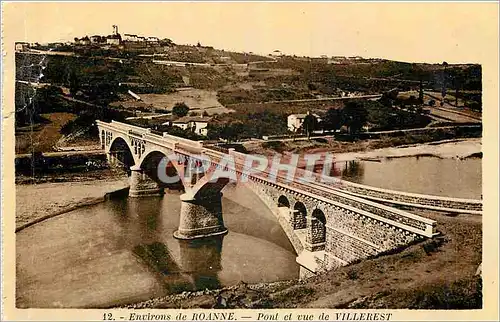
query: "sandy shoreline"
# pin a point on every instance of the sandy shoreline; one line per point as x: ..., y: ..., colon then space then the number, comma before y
x: 461, y: 148
x: 36, y: 201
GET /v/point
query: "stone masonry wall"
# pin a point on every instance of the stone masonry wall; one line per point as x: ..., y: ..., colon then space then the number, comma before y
x: 349, y: 235
x: 298, y: 220
x: 381, y: 234
x: 346, y: 247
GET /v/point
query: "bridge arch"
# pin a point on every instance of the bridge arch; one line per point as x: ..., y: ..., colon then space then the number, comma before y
x: 150, y: 166
x: 299, y: 215
x: 120, y: 153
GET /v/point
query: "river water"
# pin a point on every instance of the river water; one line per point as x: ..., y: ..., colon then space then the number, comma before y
x: 449, y: 177
x: 123, y: 251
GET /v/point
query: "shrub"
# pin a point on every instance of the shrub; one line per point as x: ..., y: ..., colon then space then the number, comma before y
x: 180, y: 109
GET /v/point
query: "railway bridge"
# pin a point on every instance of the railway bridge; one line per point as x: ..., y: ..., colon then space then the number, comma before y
x: 327, y: 225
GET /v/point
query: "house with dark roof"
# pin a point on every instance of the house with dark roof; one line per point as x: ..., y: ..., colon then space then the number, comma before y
x: 114, y: 39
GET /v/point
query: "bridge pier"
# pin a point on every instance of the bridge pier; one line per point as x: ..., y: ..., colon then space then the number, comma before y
x: 297, y: 220
x: 141, y: 185
x: 316, y: 235
x: 200, y: 217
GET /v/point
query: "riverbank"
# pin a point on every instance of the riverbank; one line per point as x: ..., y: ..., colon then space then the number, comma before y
x: 338, y: 147
x: 35, y: 202
x: 460, y: 148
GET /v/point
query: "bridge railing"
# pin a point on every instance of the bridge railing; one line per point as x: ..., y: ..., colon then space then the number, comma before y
x: 336, y: 194
x: 219, y: 149
x: 448, y: 204
x: 393, y: 216
x: 136, y: 129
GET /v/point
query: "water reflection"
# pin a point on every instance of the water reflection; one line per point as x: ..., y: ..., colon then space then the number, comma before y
x: 460, y: 178
x: 123, y: 251
x: 352, y: 171
x: 197, y: 262
x: 202, y: 260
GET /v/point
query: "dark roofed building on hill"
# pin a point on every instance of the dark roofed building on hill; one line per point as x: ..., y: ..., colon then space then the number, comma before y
x: 114, y: 39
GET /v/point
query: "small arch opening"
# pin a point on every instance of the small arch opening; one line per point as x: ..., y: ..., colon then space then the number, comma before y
x: 299, y: 215
x: 283, y: 202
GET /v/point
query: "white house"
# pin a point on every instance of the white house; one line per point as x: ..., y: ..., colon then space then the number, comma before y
x: 22, y: 46
x: 82, y: 41
x: 294, y: 121
x: 129, y: 37
x: 197, y: 124
x: 114, y: 40
x: 276, y: 53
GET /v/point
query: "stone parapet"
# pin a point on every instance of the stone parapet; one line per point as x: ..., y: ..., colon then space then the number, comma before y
x: 471, y: 206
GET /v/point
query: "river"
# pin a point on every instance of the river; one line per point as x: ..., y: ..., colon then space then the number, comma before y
x: 122, y: 251
x: 449, y: 177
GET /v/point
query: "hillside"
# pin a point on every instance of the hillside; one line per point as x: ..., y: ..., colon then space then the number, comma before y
x: 239, y: 89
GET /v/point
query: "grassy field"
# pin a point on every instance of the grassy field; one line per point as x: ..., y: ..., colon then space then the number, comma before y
x: 198, y: 99
x: 44, y: 136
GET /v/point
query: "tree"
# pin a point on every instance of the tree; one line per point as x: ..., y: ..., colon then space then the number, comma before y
x: 443, y: 89
x: 74, y: 82
x: 417, y: 70
x: 332, y: 120
x: 458, y: 79
x: 355, y: 116
x: 309, y: 124
x: 231, y: 131
x: 180, y: 109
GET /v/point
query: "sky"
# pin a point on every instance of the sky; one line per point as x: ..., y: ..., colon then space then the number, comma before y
x: 414, y: 32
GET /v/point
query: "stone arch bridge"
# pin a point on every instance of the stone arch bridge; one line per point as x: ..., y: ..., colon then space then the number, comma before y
x: 329, y: 226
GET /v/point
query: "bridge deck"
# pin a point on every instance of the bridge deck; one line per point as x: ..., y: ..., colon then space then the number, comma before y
x: 368, y: 201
